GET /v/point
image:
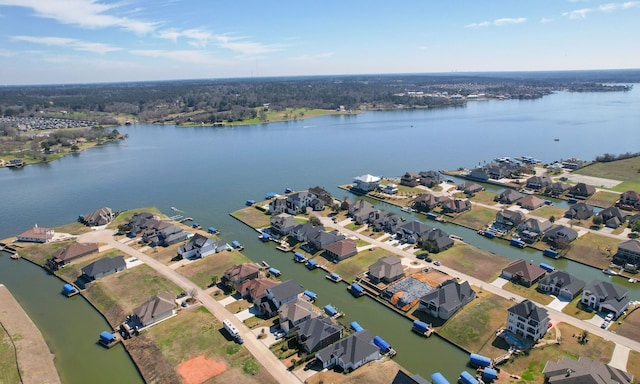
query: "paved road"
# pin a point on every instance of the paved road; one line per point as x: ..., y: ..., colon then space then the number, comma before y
x: 268, y: 360
x: 553, y: 314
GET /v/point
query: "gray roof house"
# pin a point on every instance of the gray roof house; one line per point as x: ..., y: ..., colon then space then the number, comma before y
x: 425, y: 202
x: 349, y: 353
x: 628, y: 253
x: 450, y: 205
x: 101, y: 216
x: 583, y: 371
x: 413, y: 231
x: 430, y: 178
x: 385, y: 221
x: 278, y: 205
x: 604, y: 296
x: 436, y: 240
x: 317, y: 333
x: 295, y: 312
x: 559, y: 234
x: 103, y: 267
x: 582, y: 189
x: 322, y: 194
x: 360, y: 210
x: 159, y: 307
x: 478, y: 174
x: 469, y: 187
x: 321, y: 239
x: 198, y: 246
x: 561, y: 284
x: 508, y: 196
x: 386, y: 269
x: 305, y: 231
x: 558, y: 188
x: 613, y: 217
x: 509, y: 218
x: 538, y: 182
x: 283, y: 223
x: 527, y: 320
x: 532, y: 229
x: 276, y: 296
x: 579, y: 211
x: 445, y: 300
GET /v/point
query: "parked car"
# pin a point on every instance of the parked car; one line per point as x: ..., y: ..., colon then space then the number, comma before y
x: 280, y: 334
x: 436, y: 263
x: 428, y: 259
x: 609, y: 317
x: 604, y: 325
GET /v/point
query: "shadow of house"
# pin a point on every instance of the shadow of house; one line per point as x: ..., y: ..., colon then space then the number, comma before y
x: 561, y: 284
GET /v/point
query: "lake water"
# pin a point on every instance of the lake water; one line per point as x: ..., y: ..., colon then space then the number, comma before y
x: 209, y: 172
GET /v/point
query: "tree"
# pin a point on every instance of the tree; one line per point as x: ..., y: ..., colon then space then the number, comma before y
x: 552, y: 219
x: 314, y: 221
x: 193, y: 292
x: 214, y: 280
x: 597, y: 220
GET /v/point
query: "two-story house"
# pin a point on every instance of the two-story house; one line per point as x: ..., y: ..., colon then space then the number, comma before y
x: 527, y: 320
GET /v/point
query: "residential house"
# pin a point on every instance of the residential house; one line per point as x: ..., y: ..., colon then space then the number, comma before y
x: 159, y: 307
x: 235, y: 275
x: 582, y: 190
x: 403, y: 378
x: 539, y: 182
x: 628, y: 254
x: 561, y: 284
x: 436, y: 240
x: 254, y: 289
x: 360, y: 211
x: 161, y: 233
x: 557, y: 188
x: 530, y: 202
x: 478, y: 174
x: 66, y: 255
x: 386, y: 270
x: 572, y: 163
x: 366, y: 183
x: 321, y: 239
x: 450, y: 205
x: 527, y: 320
x: 101, y: 216
x: 469, y: 187
x: 390, y: 189
x: 430, y: 178
x: 299, y: 201
x: 584, y: 370
x: 198, y: 246
x: 523, y: 272
x: 317, y: 333
x: 612, y: 217
x: 279, y: 294
x: 36, y: 235
x: 349, y: 353
x: 531, y: 230
x: 303, y: 232
x: 341, y: 249
x: 322, y: 194
x: 509, y: 219
x: 425, y: 202
x: 501, y: 170
x: 409, y: 179
x: 103, y: 267
x: 141, y: 221
x: 604, y: 296
x: 508, y: 196
x: 579, y: 211
x: 629, y: 200
x: 278, y: 205
x: 282, y: 223
x: 633, y: 219
x: 559, y: 236
x: 413, y: 231
x: 295, y: 312
x: 383, y: 221
x: 445, y: 300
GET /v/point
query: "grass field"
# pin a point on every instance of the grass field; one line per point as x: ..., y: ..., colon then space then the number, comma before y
x: 125, y: 216
x: 549, y: 210
x: 477, y: 217
x: 8, y: 365
x: 39, y: 253
x: 627, y: 170
x: 633, y: 364
x: 473, y: 261
x: 591, y: 249
x: 197, y: 332
x: 484, y: 197
x: 474, y: 326
x: 348, y: 269
x: 73, y: 228
x: 575, y: 309
x: 252, y: 216
x: 201, y: 271
x: 529, y: 293
x: 603, y: 199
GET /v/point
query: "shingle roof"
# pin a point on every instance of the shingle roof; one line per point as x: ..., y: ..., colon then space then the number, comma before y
x: 525, y: 269
x: 156, y: 305
x: 104, y: 265
x: 351, y: 349
x: 286, y: 289
x: 529, y: 310
x: 584, y: 370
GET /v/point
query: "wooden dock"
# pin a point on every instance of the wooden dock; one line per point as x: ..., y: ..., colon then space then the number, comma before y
x: 116, y: 339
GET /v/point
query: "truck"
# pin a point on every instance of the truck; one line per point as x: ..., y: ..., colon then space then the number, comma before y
x: 233, y: 331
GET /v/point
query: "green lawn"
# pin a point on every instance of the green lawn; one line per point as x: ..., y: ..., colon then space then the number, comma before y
x: 252, y: 216
x: 202, y: 271
x: 627, y: 170
x: 575, y: 309
x: 477, y: 218
x: 593, y: 249
x: 484, y: 197
x: 549, y: 210
x: 8, y: 365
x: 348, y: 269
x: 531, y: 293
x: 472, y: 261
x: 603, y: 199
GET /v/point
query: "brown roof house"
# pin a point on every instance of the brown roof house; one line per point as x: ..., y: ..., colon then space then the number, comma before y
x: 238, y: 273
x: 101, y: 216
x: 341, y: 249
x: 386, y: 270
x: 159, y: 307
x: 629, y: 200
x: 582, y: 189
x: 64, y: 256
x: 254, y: 289
x: 36, y: 235
x: 531, y: 202
x: 295, y: 312
x: 583, y: 371
x: 523, y: 272
x: 508, y: 196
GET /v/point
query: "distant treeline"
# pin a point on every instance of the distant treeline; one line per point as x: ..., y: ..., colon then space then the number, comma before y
x: 607, y: 157
x: 237, y: 99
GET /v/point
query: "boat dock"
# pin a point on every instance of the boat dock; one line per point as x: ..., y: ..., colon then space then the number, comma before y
x: 109, y: 339
x: 334, y: 277
x: 70, y: 290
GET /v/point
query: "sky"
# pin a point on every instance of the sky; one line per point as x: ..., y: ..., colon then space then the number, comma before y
x: 94, y: 41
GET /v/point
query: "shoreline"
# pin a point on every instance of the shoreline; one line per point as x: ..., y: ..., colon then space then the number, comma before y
x: 33, y: 357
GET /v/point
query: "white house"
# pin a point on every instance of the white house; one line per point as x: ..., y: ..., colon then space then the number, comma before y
x: 607, y: 297
x: 366, y: 183
x: 527, y: 320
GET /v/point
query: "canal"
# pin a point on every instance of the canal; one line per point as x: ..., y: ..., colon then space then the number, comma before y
x: 70, y: 326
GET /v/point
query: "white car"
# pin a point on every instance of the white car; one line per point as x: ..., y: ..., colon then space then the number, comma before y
x: 609, y: 317
x: 436, y: 263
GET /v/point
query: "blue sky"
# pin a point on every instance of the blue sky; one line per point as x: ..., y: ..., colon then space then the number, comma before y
x: 86, y: 41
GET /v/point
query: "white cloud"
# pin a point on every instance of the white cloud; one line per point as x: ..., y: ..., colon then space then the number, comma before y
x: 609, y: 7
x: 74, y: 44
x: 83, y: 13
x: 185, y: 56
x: 246, y: 48
x: 314, y: 57
x: 545, y: 20
x: 577, y: 14
x: 498, y: 22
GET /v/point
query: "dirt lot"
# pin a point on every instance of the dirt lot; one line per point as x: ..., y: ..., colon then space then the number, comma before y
x: 630, y: 327
x: 591, y: 249
x: 252, y: 216
x: 473, y: 261
x: 376, y: 372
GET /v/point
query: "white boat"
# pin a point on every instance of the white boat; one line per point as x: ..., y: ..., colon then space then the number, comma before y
x: 609, y: 271
x: 632, y: 280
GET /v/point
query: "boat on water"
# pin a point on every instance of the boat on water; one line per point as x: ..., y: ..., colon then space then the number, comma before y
x: 632, y: 280
x: 609, y: 271
x: 407, y: 209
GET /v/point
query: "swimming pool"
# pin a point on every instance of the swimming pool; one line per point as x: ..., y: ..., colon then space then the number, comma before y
x: 512, y: 340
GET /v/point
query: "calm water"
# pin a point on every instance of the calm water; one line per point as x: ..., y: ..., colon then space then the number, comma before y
x: 209, y: 172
